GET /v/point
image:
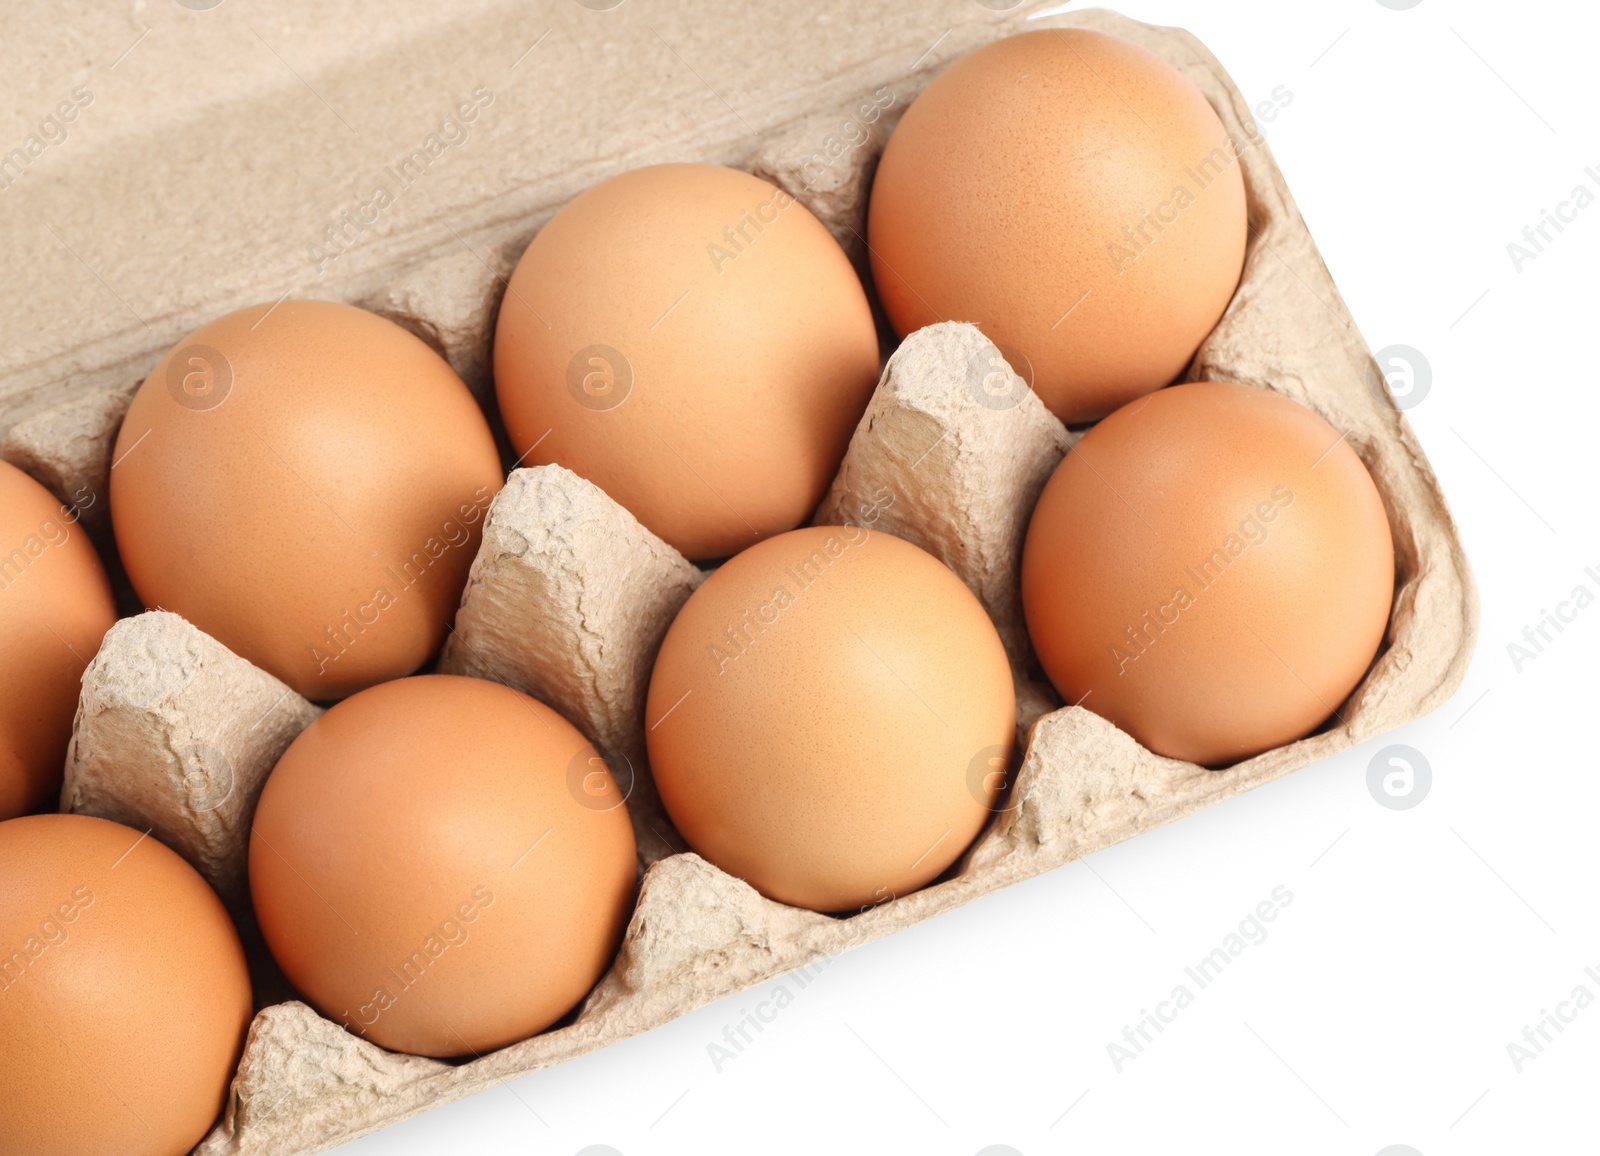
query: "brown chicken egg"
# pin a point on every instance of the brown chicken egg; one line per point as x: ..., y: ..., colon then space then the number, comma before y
x: 306, y: 483
x: 55, y: 606
x: 124, y: 995
x: 693, y: 341
x: 1211, y: 569
x: 443, y: 865
x: 1076, y: 197
x: 825, y: 717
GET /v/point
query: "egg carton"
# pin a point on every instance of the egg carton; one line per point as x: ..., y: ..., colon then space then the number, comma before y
x: 569, y: 598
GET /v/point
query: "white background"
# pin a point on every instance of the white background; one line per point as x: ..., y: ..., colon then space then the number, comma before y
x: 1418, y: 143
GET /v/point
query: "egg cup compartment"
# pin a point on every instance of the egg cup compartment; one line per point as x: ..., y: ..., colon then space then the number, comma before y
x: 569, y: 597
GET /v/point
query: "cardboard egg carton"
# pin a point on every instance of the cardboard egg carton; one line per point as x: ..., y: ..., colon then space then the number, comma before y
x: 569, y: 597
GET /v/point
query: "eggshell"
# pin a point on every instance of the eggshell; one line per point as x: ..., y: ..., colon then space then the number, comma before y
x: 124, y: 996
x: 830, y: 717
x: 55, y: 606
x: 305, y: 483
x: 1211, y: 569
x: 693, y: 341
x: 1076, y: 197
x: 443, y: 865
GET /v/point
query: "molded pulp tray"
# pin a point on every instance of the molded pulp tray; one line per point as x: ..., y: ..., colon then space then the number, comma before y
x: 569, y: 597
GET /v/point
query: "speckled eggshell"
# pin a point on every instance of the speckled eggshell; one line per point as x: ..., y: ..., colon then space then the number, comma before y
x: 693, y: 341
x: 306, y: 483
x: 827, y: 717
x: 1076, y: 197
x: 124, y: 995
x: 443, y: 865
x: 55, y: 606
x: 1211, y: 569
